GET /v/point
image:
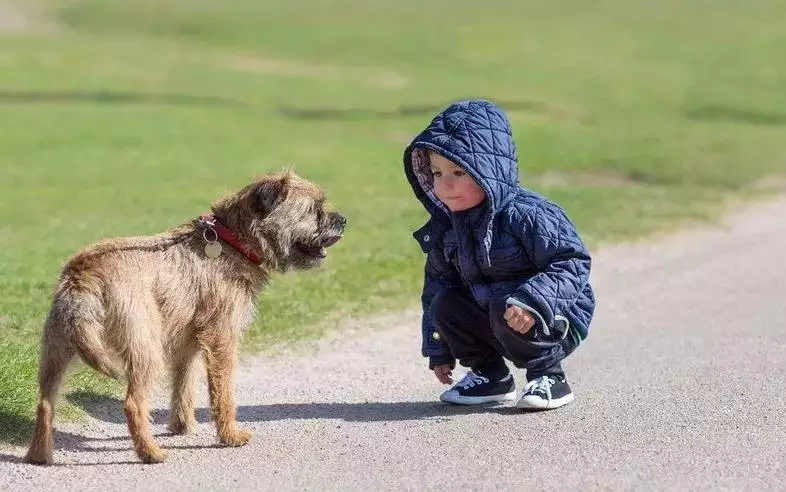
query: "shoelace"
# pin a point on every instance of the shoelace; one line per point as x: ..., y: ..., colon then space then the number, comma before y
x: 542, y: 384
x: 471, y: 379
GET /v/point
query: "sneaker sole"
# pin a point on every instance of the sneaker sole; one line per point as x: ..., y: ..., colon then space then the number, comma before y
x: 536, y: 403
x: 476, y: 400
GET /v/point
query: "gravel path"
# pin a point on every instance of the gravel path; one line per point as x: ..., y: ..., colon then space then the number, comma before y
x: 680, y: 387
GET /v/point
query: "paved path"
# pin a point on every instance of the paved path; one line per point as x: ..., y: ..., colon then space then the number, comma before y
x: 680, y: 387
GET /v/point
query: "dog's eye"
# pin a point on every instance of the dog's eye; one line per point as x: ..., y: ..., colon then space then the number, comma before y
x: 318, y: 209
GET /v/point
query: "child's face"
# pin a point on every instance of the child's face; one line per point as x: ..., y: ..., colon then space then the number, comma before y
x: 453, y: 186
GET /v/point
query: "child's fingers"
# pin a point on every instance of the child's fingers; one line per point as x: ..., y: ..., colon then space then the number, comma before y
x: 517, y: 321
x: 447, y: 376
x: 442, y: 374
x: 515, y: 315
x: 521, y: 326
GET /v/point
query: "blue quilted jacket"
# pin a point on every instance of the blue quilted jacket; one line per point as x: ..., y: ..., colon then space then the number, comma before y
x: 516, y: 241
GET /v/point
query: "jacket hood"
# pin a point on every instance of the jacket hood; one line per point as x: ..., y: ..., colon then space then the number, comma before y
x: 476, y: 135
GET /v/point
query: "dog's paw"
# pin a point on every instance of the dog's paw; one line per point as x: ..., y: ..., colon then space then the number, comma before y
x: 236, y: 437
x: 180, y: 427
x: 153, y: 454
x: 36, y: 458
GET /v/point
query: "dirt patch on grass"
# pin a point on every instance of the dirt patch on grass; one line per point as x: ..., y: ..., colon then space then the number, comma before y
x: 775, y: 184
x: 13, y: 19
x: 16, y: 18
x: 588, y: 179
x: 384, y: 79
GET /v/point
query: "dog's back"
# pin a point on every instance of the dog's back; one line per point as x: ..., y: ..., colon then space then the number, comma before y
x: 103, y: 298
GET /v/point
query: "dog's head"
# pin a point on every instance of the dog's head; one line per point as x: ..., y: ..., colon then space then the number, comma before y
x: 286, y: 218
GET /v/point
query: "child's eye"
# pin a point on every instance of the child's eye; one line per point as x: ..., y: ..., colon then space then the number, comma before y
x: 436, y: 174
x: 459, y: 174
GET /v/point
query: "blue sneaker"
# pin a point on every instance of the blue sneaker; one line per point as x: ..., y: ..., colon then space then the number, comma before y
x: 475, y: 388
x: 545, y: 393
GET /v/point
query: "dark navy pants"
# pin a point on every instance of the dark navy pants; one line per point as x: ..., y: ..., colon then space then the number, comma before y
x: 480, y: 338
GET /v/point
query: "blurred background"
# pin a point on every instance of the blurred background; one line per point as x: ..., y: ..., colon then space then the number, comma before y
x: 131, y: 117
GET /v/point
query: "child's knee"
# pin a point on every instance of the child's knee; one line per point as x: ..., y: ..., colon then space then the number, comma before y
x: 499, y: 325
x: 498, y: 304
x: 502, y: 331
x: 443, y: 305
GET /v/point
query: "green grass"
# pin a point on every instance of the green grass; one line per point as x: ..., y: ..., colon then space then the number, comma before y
x: 636, y: 116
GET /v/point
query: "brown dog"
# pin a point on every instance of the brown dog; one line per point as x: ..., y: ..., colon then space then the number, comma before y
x: 158, y: 301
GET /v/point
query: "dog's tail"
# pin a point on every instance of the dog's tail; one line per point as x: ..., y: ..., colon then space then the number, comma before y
x: 78, y: 315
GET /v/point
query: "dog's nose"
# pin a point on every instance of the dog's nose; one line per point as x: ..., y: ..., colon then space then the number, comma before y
x: 342, y: 221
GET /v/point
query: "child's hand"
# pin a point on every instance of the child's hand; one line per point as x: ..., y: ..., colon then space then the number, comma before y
x: 519, y: 319
x: 444, y: 373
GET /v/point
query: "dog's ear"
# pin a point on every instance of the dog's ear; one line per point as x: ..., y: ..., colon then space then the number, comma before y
x: 271, y: 191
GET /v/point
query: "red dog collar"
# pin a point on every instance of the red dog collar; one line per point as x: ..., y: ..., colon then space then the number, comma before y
x: 230, y: 238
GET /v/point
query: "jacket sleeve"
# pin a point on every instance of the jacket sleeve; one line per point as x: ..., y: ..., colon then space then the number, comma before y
x: 554, y: 246
x: 439, y: 273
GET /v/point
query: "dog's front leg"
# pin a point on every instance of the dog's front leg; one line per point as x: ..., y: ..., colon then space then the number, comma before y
x: 220, y: 359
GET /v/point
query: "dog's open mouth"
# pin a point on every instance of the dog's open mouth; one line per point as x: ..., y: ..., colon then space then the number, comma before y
x: 318, y: 250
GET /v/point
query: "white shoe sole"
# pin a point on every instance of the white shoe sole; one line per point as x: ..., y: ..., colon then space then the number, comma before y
x: 535, y: 403
x: 451, y: 396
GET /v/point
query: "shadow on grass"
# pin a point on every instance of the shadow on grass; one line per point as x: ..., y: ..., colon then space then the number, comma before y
x: 290, y: 112
x: 15, y: 430
x: 714, y: 112
x: 333, y: 113
x: 111, y: 97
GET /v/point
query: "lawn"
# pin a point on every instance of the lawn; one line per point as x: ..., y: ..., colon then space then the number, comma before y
x: 127, y: 118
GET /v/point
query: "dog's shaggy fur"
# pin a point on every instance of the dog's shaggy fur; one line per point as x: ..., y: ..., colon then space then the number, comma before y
x: 136, y: 306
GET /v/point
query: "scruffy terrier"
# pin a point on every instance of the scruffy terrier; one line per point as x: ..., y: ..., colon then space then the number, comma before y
x: 137, y: 306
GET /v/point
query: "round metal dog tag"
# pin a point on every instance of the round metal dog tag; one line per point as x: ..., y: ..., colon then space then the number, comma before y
x: 213, y: 249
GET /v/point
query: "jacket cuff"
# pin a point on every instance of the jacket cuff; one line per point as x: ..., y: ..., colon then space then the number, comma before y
x: 441, y: 360
x: 529, y: 306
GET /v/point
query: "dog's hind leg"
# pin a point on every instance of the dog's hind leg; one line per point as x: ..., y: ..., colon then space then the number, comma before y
x: 56, y: 353
x: 142, y: 353
x: 137, y: 409
x: 184, y: 376
x: 220, y: 349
